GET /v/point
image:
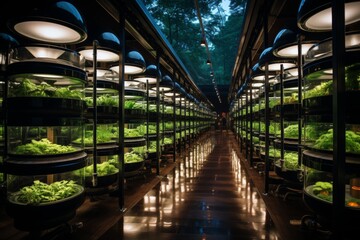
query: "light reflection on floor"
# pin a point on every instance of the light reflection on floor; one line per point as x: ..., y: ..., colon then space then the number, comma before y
x: 207, y: 196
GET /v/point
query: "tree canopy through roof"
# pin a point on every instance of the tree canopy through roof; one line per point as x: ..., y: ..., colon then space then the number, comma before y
x: 222, y: 24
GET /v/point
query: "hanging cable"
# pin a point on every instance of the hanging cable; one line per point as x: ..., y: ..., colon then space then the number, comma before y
x: 209, y: 62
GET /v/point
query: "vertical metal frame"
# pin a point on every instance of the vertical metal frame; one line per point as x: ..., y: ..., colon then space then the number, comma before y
x: 339, y: 169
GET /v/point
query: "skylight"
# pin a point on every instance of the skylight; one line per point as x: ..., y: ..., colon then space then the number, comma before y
x: 222, y: 25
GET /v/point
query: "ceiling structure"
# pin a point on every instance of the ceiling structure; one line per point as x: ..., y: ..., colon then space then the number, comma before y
x: 233, y: 30
x: 218, y: 23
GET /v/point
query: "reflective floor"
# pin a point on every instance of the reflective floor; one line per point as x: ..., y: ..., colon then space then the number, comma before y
x: 206, y: 196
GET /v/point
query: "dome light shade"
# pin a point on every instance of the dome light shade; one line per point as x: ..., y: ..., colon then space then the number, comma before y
x: 316, y: 16
x: 175, y: 92
x: 107, y: 51
x: 274, y: 62
x: 134, y: 63
x: 257, y: 84
x: 58, y: 23
x: 286, y: 44
x: 149, y: 76
x: 166, y: 84
x: 7, y: 41
x: 259, y: 75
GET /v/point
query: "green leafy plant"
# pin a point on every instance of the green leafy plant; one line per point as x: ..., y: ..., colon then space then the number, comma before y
x: 132, y: 157
x: 103, y: 169
x: 27, y: 88
x: 323, y: 190
x: 132, y: 132
x: 291, y: 161
x: 325, y: 141
x: 42, y: 147
x: 41, y: 192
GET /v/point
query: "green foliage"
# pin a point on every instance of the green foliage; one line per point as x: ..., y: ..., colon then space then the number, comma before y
x: 352, y: 77
x: 323, y: 89
x: 129, y: 104
x: 273, y: 102
x: 41, y: 192
x: 27, y: 88
x: 178, y: 21
x: 132, y: 132
x: 325, y: 141
x: 167, y: 140
x: 42, y: 147
x: 291, y: 160
x: 141, y: 151
x: 323, y: 190
x: 352, y: 82
x: 292, y: 131
x: 152, y: 147
x: 312, y: 132
x: 104, y: 134
x: 293, y: 98
x: 132, y: 157
x: 103, y: 169
x: 107, y: 100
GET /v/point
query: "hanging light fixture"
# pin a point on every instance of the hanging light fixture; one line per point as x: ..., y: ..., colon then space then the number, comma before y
x: 134, y: 63
x: 181, y: 94
x: 203, y: 41
x: 59, y: 23
x: 208, y: 62
x: 165, y: 85
x: 324, y: 48
x: 150, y: 75
x: 6, y: 43
x: 316, y: 16
x: 107, y: 51
x: 286, y: 44
x: 258, y: 75
x: 274, y: 63
x: 175, y: 92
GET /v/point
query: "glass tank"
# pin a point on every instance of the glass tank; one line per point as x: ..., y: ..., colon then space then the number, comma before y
x: 290, y: 89
x: 107, y: 94
x: 51, y: 77
x: 40, y: 190
x: 134, y: 131
x: 286, y: 142
x: 107, y: 169
x: 318, y: 184
x: 102, y: 100
x: 318, y: 135
x: 135, y: 127
x: 135, y: 100
x: 167, y: 122
x: 47, y: 54
x: 41, y: 201
x: 42, y: 141
x: 318, y: 70
x: 134, y: 158
x: 45, y: 153
x: 106, y: 134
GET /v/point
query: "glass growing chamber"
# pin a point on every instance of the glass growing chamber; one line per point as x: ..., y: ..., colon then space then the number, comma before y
x: 45, y: 116
x: 318, y: 129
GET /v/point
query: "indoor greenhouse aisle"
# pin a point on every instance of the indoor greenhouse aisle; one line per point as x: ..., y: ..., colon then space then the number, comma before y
x: 207, y: 195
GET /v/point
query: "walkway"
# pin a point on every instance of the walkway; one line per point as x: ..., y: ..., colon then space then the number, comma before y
x: 206, y: 196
